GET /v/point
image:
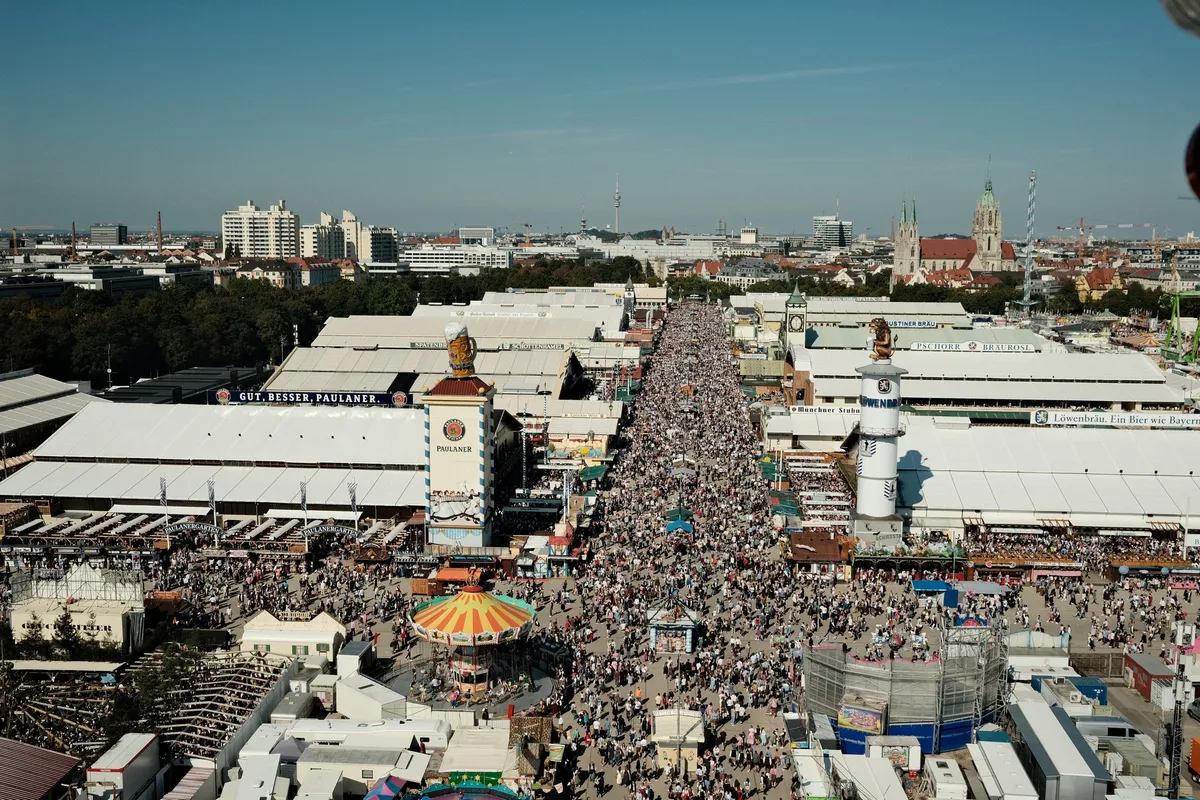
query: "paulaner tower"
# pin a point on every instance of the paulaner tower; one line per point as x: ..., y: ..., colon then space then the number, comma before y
x: 875, y: 519
x: 459, y: 442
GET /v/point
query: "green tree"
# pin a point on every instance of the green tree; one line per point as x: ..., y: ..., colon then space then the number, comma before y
x: 1065, y: 301
x: 66, y: 635
x: 33, y: 642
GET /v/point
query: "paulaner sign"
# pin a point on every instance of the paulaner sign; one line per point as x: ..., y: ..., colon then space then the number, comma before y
x: 225, y: 397
x: 1115, y: 419
x: 974, y: 347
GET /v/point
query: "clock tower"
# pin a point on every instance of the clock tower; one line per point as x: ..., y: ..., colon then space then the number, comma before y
x: 795, y: 323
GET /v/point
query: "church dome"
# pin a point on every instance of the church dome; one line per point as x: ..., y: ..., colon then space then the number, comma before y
x: 987, y: 199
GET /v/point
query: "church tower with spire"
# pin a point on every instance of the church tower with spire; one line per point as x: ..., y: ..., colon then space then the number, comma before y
x: 985, y: 230
x: 907, y: 256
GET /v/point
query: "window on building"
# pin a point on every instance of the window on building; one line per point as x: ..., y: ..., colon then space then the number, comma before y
x: 262, y: 648
x: 322, y: 647
x: 299, y: 649
x: 368, y: 774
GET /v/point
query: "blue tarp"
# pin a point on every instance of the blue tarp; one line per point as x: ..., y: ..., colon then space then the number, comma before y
x: 930, y: 586
x: 950, y: 598
x: 679, y: 525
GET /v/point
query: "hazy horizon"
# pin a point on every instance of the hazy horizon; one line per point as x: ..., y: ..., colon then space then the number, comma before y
x: 430, y: 118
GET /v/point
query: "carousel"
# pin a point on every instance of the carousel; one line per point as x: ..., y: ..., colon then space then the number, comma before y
x: 472, y: 622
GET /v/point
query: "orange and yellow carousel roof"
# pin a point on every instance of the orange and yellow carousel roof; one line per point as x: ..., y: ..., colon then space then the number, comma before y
x: 472, y: 617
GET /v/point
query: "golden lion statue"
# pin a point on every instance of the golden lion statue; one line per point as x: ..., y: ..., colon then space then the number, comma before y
x: 883, y: 339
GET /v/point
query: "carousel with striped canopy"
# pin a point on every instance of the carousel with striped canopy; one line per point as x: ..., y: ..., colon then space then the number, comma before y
x: 472, y: 622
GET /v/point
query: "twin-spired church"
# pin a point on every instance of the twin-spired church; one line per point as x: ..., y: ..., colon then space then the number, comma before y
x: 985, y: 251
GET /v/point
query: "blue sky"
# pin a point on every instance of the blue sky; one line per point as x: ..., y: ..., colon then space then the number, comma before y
x: 427, y: 116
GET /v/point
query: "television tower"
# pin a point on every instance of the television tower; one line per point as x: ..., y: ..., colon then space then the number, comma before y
x: 617, y: 204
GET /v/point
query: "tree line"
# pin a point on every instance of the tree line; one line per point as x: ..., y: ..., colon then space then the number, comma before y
x: 191, y: 324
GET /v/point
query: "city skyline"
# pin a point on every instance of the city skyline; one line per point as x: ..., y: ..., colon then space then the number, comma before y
x: 433, y: 125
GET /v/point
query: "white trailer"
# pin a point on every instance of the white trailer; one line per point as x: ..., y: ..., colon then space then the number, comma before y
x: 126, y: 770
x: 945, y: 779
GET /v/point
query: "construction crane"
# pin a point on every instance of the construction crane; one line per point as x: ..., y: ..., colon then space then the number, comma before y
x: 15, y: 228
x: 1083, y: 228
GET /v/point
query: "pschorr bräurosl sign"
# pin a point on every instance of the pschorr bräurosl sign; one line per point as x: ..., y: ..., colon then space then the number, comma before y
x: 1114, y: 419
x: 975, y: 347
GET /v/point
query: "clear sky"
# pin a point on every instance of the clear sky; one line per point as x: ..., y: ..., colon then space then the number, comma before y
x: 426, y: 116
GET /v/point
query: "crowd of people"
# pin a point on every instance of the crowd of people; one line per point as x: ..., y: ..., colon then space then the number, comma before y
x: 691, y: 455
x: 1093, y: 551
x: 691, y: 451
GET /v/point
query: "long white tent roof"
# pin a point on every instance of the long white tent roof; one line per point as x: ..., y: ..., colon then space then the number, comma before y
x: 536, y: 406
x: 1094, y: 477
x: 489, y: 332
x: 1031, y: 377
x: 241, y: 435
x: 31, y: 399
x: 261, y: 485
x: 608, y: 316
x: 344, y: 369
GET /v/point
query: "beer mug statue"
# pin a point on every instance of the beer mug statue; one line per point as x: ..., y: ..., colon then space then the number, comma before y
x: 461, y: 349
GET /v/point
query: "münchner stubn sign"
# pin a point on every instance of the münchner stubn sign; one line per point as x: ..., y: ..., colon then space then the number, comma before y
x: 1115, y: 419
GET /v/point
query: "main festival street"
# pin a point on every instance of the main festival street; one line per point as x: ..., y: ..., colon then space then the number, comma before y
x: 690, y: 446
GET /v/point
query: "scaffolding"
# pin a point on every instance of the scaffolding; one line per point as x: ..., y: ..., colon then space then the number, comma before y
x: 82, y: 582
x: 942, y: 702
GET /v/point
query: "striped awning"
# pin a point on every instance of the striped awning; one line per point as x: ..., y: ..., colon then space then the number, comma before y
x: 472, y: 617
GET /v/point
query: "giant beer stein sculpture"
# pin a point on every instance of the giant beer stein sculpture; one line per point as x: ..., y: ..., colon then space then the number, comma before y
x: 461, y: 349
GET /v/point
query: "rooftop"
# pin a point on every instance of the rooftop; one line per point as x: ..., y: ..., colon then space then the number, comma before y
x: 27, y: 398
x: 1055, y: 744
x: 1095, y: 477
x: 494, y: 333
x: 242, y: 435
x: 180, y: 387
x: 28, y: 772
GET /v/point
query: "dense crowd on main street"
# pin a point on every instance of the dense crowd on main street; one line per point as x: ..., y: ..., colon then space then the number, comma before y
x: 689, y: 452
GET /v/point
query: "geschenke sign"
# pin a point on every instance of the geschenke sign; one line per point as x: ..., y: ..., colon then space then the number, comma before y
x: 226, y: 397
x: 1115, y: 419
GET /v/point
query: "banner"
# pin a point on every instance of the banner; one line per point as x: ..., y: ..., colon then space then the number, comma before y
x: 912, y: 323
x: 227, y: 397
x: 974, y: 347
x: 1114, y: 419
x: 845, y: 410
x: 187, y: 527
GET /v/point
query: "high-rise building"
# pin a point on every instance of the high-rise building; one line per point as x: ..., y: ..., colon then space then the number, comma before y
x: 325, y: 240
x: 251, y: 232
x: 378, y: 245
x: 352, y: 231
x: 109, y: 234
x: 832, y: 233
